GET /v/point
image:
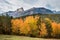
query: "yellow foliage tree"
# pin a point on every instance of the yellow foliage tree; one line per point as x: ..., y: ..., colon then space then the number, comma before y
x: 31, y: 21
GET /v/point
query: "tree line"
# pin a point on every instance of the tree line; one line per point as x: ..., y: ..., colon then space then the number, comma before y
x: 33, y: 25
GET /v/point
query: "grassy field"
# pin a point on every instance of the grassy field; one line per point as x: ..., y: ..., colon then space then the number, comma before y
x: 11, y: 37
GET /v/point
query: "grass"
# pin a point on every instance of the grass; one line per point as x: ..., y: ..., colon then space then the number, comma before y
x: 13, y: 37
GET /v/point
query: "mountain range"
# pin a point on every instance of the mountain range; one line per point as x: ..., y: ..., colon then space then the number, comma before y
x: 21, y: 12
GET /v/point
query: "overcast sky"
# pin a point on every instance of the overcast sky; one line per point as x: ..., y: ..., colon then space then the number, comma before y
x: 8, y: 5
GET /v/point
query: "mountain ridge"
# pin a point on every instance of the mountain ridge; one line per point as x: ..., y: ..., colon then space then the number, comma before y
x: 35, y: 10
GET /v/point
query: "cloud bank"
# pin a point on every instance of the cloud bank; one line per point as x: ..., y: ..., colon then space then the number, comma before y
x: 11, y: 5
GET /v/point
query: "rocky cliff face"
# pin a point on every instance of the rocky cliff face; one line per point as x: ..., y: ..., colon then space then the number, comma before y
x: 20, y: 9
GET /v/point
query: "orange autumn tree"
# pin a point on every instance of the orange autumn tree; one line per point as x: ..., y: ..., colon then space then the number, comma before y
x: 43, y: 31
x: 16, y: 24
x: 54, y: 26
x: 56, y: 29
x: 20, y: 27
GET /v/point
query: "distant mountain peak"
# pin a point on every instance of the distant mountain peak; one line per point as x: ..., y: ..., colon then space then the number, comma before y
x: 41, y: 10
x: 20, y: 9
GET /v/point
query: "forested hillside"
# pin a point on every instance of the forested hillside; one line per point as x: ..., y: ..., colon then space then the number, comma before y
x: 36, y: 25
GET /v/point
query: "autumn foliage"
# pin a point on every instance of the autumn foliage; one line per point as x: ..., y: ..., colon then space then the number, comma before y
x: 29, y: 26
x: 35, y: 26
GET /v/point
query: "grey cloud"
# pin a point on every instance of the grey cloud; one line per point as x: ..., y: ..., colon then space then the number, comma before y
x: 27, y: 4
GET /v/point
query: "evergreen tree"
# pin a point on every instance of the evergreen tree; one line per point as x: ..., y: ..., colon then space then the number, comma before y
x: 39, y: 24
x: 48, y: 27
